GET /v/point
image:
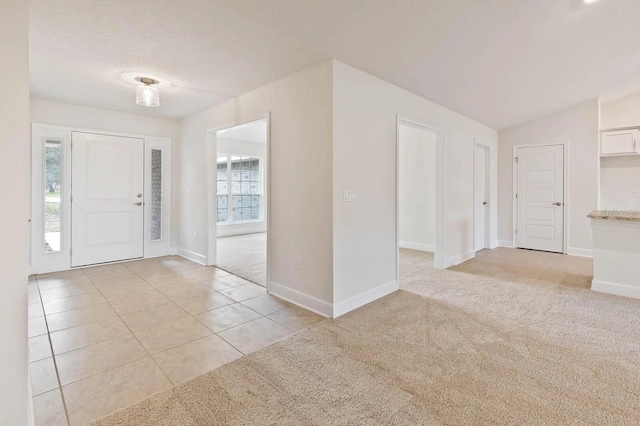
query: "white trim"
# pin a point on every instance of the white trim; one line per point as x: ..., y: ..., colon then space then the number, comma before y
x: 616, y: 289
x: 417, y: 246
x: 459, y: 258
x: 301, y: 299
x: 487, y: 190
x: 192, y: 255
x: 573, y: 251
x: 565, y: 178
x: 439, y: 251
x: 364, y: 298
x: 505, y: 243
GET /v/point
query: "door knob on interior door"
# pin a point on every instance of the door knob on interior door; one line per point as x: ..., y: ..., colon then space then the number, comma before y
x: 139, y: 203
x: 484, y: 203
x: 557, y: 204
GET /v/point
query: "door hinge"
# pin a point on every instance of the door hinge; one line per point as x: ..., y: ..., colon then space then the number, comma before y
x: 516, y: 159
x: 516, y: 195
x: 516, y: 231
x: 72, y: 198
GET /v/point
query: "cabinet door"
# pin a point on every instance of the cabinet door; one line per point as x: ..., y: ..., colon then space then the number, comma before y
x: 619, y: 142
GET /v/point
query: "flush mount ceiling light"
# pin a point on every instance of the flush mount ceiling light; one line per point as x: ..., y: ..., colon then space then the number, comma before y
x: 147, y: 93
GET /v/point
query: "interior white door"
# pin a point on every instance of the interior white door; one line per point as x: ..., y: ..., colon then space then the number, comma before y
x: 480, y: 198
x: 540, y: 198
x: 107, y: 209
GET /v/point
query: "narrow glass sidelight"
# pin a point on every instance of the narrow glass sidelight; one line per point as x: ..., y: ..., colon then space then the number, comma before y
x: 52, y: 195
x: 156, y: 194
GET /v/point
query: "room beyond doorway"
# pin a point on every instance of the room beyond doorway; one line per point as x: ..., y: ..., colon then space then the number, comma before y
x: 241, y: 200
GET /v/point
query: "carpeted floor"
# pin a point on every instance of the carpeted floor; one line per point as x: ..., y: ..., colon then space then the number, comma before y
x: 450, y: 348
x: 244, y: 256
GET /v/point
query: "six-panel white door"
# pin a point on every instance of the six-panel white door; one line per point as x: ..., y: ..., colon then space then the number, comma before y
x: 107, y: 198
x: 540, y: 198
x: 480, y: 198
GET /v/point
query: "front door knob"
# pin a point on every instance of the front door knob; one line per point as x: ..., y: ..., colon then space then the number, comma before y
x: 139, y: 203
x: 557, y: 204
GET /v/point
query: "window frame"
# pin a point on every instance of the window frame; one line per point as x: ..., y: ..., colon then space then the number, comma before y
x: 230, y: 194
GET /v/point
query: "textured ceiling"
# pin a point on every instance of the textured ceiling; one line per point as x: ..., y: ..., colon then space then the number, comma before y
x: 498, y: 61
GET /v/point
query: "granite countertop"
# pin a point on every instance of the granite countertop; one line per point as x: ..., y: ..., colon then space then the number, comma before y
x: 626, y: 215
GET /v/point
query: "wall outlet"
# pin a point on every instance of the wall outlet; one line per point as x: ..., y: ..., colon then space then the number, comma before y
x: 637, y: 192
x: 299, y: 262
x: 349, y: 196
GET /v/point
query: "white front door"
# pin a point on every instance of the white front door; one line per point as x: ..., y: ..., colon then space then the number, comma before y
x: 480, y: 198
x: 107, y: 207
x: 540, y: 198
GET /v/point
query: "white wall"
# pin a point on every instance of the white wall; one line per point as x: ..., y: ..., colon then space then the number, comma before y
x: 624, y: 112
x: 254, y: 149
x: 14, y: 192
x: 364, y: 159
x: 578, y: 127
x: 620, y: 176
x: 417, y: 188
x: 84, y: 117
x: 300, y: 192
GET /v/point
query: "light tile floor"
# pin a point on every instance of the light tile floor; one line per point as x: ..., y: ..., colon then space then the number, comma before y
x: 518, y: 265
x: 105, y: 337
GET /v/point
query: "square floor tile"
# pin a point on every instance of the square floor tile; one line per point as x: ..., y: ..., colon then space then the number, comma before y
x: 87, y: 334
x: 244, y: 292
x: 127, y: 290
x: 266, y: 304
x: 133, y: 304
x: 209, y: 273
x: 182, y: 290
x: 94, y: 397
x: 158, y: 273
x: 61, y: 282
x: 33, y: 297
x: 49, y: 409
x: 234, y: 281
x: 296, y: 318
x: 72, y: 302
x: 71, y: 273
x: 35, y: 310
x: 192, y: 359
x: 39, y: 348
x: 68, y: 290
x: 114, y: 269
x: 227, y: 317
x: 204, y: 302
x: 154, y: 316
x: 254, y: 335
x: 165, y: 336
x: 36, y: 326
x: 75, y: 317
x: 43, y: 376
x: 186, y: 269
x: 97, y: 358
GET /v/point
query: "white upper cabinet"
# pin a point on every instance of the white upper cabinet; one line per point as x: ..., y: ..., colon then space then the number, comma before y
x: 620, y: 142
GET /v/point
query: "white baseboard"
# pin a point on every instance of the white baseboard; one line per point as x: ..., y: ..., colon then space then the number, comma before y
x: 191, y: 255
x: 459, y: 258
x: 617, y: 289
x: 579, y: 252
x: 505, y: 243
x: 362, y: 299
x: 417, y: 246
x: 301, y: 299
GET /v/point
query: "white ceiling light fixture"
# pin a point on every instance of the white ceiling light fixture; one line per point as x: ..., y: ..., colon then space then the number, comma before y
x: 147, y: 87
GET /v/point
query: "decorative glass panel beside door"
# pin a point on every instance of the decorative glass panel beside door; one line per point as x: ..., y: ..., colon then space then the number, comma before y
x: 243, y: 176
x: 52, y: 195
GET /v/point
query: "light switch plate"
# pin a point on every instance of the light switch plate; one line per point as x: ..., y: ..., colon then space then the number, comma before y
x: 349, y: 196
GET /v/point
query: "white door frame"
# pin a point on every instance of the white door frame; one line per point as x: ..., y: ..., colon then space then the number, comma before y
x: 565, y: 174
x: 41, y: 262
x: 439, y: 252
x: 212, y: 200
x: 487, y: 216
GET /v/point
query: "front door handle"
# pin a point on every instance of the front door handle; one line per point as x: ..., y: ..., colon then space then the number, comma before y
x: 557, y: 204
x: 139, y: 203
x: 484, y: 203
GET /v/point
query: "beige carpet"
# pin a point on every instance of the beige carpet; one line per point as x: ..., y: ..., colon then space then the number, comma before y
x: 244, y: 256
x: 451, y: 348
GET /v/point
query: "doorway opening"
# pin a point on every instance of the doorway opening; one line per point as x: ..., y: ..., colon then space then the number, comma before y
x: 241, y: 194
x: 539, y: 197
x: 420, y: 198
x: 481, y: 191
